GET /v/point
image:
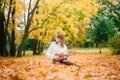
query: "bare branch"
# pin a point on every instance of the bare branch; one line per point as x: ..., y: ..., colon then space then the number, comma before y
x: 31, y: 16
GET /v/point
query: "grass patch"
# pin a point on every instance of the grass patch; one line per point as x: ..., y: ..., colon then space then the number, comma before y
x: 81, y: 50
x: 104, y: 50
x: 76, y: 49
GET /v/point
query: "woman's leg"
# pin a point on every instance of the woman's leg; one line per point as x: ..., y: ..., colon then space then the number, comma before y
x: 70, y: 63
x: 67, y: 62
x: 53, y: 61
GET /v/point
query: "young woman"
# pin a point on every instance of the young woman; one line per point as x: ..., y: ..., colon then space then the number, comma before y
x: 57, y: 51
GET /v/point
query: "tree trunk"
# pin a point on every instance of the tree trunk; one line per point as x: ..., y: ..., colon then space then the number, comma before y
x: 27, y: 27
x: 41, y: 43
x: 12, y: 45
x: 24, y: 52
x: 39, y: 50
x: 40, y: 47
x: 2, y: 35
x: 21, y: 47
x: 100, y: 50
x: 35, y: 42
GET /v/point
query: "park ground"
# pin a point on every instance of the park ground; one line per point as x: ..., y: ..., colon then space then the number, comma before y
x: 94, y: 66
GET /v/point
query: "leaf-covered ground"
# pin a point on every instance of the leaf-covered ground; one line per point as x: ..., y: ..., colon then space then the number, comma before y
x: 94, y: 66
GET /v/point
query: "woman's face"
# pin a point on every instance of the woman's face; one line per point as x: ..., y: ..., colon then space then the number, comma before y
x: 57, y: 39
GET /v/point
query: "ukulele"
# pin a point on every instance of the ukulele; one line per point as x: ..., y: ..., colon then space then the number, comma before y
x: 63, y: 56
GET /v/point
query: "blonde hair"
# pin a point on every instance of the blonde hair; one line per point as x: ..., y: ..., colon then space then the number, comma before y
x: 61, y: 38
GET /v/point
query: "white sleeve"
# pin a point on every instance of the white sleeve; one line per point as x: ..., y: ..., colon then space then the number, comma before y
x: 49, y: 51
x: 66, y: 51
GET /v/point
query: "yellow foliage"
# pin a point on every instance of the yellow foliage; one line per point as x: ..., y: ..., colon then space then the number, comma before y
x: 19, y: 7
x: 70, y: 16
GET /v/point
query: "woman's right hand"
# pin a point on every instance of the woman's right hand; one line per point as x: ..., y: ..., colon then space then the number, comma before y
x: 57, y: 57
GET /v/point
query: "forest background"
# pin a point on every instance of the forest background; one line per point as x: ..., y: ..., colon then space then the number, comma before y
x: 32, y: 25
x: 91, y: 29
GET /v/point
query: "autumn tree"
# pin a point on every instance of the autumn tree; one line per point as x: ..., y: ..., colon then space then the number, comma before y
x: 69, y: 17
x: 42, y: 20
x: 2, y: 30
x: 12, y: 42
x: 31, y: 11
x: 4, y: 24
x: 11, y: 12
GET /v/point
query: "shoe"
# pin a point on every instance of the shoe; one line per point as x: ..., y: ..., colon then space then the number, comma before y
x: 77, y: 65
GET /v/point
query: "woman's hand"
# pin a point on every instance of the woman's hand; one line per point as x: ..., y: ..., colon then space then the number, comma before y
x: 56, y: 57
